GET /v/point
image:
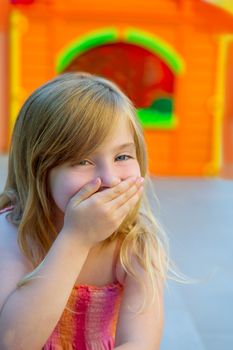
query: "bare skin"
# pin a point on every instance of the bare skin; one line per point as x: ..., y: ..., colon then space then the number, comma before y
x: 105, y: 211
x: 108, y: 209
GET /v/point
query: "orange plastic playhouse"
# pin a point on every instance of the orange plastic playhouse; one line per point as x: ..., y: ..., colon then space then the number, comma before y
x: 173, y: 58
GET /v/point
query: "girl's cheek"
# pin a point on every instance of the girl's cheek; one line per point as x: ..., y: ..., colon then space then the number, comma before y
x: 60, y: 197
x: 63, y: 189
x: 133, y: 170
x: 70, y: 191
x: 72, y: 186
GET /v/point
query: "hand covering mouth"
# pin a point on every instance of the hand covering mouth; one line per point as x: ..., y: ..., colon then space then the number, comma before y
x: 102, y: 189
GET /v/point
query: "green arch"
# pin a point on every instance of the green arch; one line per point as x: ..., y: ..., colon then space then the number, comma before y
x: 157, y: 46
x: 131, y: 35
x: 87, y: 42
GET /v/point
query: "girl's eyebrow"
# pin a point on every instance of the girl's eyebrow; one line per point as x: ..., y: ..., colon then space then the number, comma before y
x: 118, y: 148
x: 124, y: 145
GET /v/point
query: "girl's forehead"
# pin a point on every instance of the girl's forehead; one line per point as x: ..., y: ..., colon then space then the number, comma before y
x: 120, y: 137
x: 123, y: 124
x: 121, y: 131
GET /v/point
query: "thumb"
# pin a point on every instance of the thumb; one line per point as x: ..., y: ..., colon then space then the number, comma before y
x: 87, y: 190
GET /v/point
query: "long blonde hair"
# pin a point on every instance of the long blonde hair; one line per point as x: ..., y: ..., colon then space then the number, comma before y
x: 65, y: 119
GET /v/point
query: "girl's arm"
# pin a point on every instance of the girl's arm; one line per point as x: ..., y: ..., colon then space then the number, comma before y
x: 144, y: 331
x: 31, y: 312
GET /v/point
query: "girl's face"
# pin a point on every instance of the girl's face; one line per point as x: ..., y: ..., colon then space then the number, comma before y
x: 114, y: 161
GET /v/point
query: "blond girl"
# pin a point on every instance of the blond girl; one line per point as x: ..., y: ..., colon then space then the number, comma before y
x: 82, y: 263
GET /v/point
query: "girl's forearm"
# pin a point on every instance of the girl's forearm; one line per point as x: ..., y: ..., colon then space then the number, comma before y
x: 32, y: 311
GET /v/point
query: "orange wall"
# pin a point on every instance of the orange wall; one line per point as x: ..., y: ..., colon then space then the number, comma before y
x: 4, y: 14
x: 185, y: 150
x: 228, y: 115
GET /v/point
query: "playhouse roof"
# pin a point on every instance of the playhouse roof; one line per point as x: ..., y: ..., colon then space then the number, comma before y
x: 227, y: 5
x: 199, y: 12
x: 215, y: 17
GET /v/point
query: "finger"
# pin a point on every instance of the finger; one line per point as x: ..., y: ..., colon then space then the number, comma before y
x: 124, y: 210
x: 124, y: 197
x: 86, y: 191
x: 114, y: 192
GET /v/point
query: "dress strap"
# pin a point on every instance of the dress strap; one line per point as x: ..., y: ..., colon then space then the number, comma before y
x: 4, y: 210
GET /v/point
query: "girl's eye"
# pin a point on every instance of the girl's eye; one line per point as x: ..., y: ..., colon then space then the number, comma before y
x: 124, y: 157
x: 83, y: 162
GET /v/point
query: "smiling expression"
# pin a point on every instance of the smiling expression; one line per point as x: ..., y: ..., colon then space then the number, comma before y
x: 114, y: 161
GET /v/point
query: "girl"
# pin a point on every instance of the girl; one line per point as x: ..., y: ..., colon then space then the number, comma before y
x: 82, y: 265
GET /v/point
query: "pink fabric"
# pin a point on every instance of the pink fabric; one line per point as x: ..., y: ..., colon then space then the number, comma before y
x: 6, y: 209
x: 90, y: 318
x: 90, y: 322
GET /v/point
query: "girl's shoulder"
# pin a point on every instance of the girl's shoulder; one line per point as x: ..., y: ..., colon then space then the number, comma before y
x: 13, y: 265
x: 9, y: 249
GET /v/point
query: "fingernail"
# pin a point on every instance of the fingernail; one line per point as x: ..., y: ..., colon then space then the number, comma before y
x: 133, y: 179
x: 140, y: 180
x: 95, y: 181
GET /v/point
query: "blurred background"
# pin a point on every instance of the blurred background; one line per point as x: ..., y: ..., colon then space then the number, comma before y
x: 174, y: 59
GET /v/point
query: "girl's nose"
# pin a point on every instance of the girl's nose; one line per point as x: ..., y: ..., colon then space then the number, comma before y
x: 108, y: 178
